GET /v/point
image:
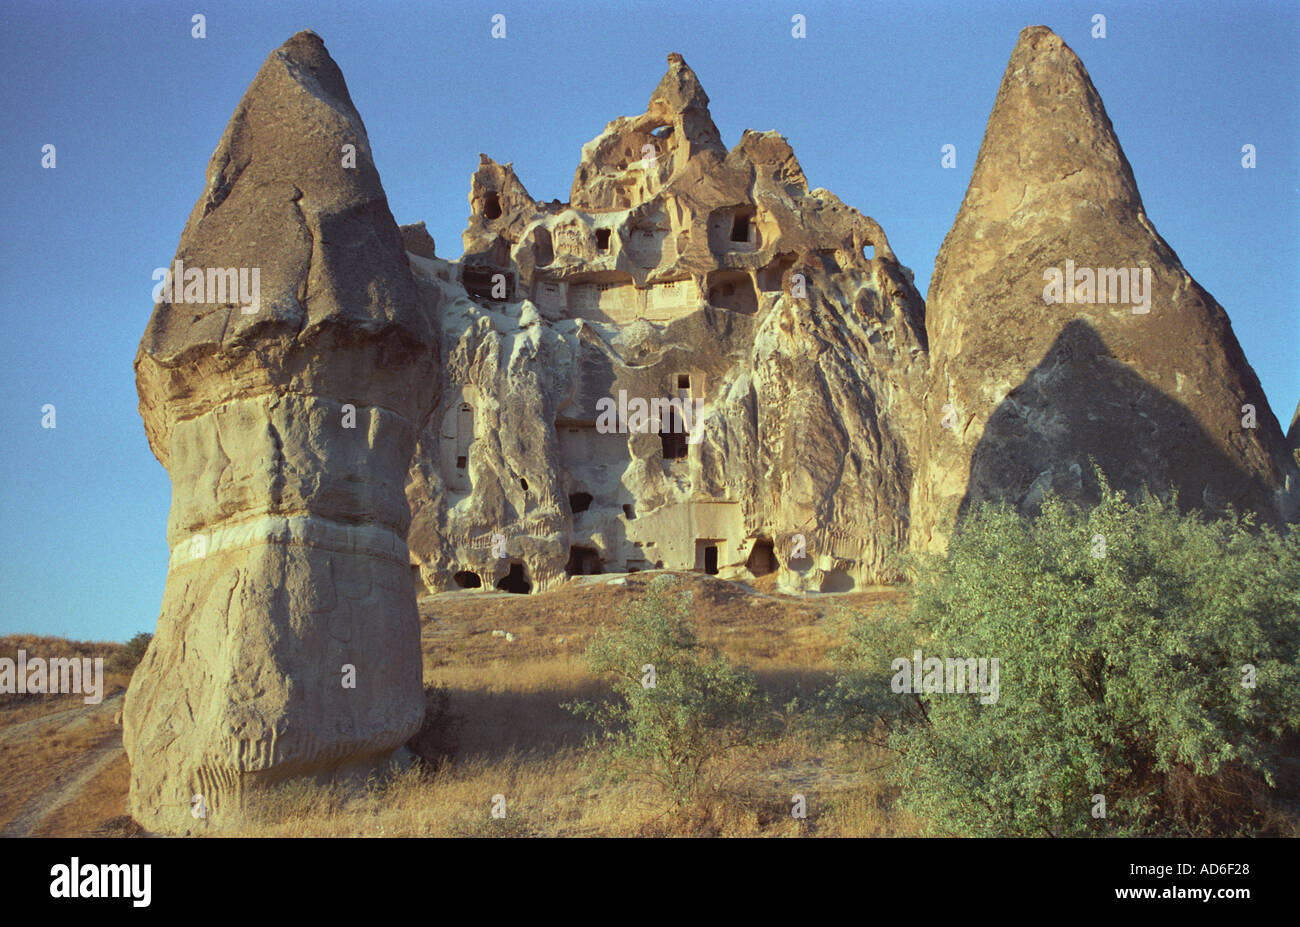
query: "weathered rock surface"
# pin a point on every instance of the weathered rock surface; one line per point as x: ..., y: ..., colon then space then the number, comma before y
x: 1022, y: 390
x: 679, y: 269
x: 287, y: 424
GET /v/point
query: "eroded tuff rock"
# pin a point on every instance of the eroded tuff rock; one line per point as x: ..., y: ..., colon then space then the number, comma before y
x: 678, y: 269
x: 1022, y: 390
x: 287, y: 425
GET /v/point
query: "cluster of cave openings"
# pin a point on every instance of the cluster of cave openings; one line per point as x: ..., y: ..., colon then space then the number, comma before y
x: 762, y: 557
x: 706, y: 556
x: 584, y: 561
x: 516, y: 580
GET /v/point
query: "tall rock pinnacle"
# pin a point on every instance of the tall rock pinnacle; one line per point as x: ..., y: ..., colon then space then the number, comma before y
x: 282, y: 378
x: 1063, y: 327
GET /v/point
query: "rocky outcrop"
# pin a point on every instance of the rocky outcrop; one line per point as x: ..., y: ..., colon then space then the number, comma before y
x: 697, y: 363
x: 1063, y: 327
x: 678, y: 271
x: 286, y: 412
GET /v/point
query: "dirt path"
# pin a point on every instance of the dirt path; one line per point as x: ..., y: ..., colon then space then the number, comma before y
x: 60, y: 793
x: 81, y: 713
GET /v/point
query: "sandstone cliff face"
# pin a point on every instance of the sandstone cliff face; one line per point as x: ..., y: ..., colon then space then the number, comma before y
x: 1027, y: 383
x: 287, y: 424
x: 679, y: 270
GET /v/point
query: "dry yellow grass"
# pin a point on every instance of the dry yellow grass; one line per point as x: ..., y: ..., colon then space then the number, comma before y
x: 516, y: 739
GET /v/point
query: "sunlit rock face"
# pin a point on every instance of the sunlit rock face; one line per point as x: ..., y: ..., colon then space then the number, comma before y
x: 1064, y: 330
x: 287, y: 423
x: 775, y: 319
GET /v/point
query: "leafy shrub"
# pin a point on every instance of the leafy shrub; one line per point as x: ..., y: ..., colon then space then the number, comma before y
x: 1124, y: 635
x: 129, y: 655
x: 699, y: 707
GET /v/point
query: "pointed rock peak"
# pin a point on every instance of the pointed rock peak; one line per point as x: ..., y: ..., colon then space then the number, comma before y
x: 292, y: 191
x: 680, y: 101
x: 679, y: 89
x: 308, y: 62
x: 1048, y: 135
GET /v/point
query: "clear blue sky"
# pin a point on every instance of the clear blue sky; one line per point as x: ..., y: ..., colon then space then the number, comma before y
x: 135, y: 107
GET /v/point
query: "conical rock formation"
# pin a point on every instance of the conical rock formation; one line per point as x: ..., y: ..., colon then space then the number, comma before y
x: 1062, y: 327
x: 283, y: 377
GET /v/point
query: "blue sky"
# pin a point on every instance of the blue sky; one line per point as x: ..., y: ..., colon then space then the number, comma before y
x: 134, y: 106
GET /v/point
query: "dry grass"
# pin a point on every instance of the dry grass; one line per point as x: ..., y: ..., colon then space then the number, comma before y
x: 35, y: 765
x: 100, y: 803
x: 15, y: 708
x: 515, y: 738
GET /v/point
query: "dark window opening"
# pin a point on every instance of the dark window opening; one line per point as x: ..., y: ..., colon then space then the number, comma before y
x: 672, y: 433
x: 683, y: 381
x: 523, y: 483
x: 461, y: 462
x: 711, y: 560
x: 602, y: 239
x: 479, y: 284
x: 837, y: 581
x: 584, y: 561
x: 579, y: 501
x: 732, y: 290
x: 468, y: 579
x: 515, y: 581
x: 762, y: 558
x: 740, y: 228
x: 629, y: 511
x: 492, y: 207
x: 543, y: 249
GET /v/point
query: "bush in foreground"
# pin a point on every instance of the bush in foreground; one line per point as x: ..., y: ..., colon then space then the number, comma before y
x: 1147, y: 672
x: 676, y: 709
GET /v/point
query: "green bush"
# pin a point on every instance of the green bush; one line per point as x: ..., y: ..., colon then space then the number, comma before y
x: 129, y: 655
x: 699, y: 707
x: 1122, y: 634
